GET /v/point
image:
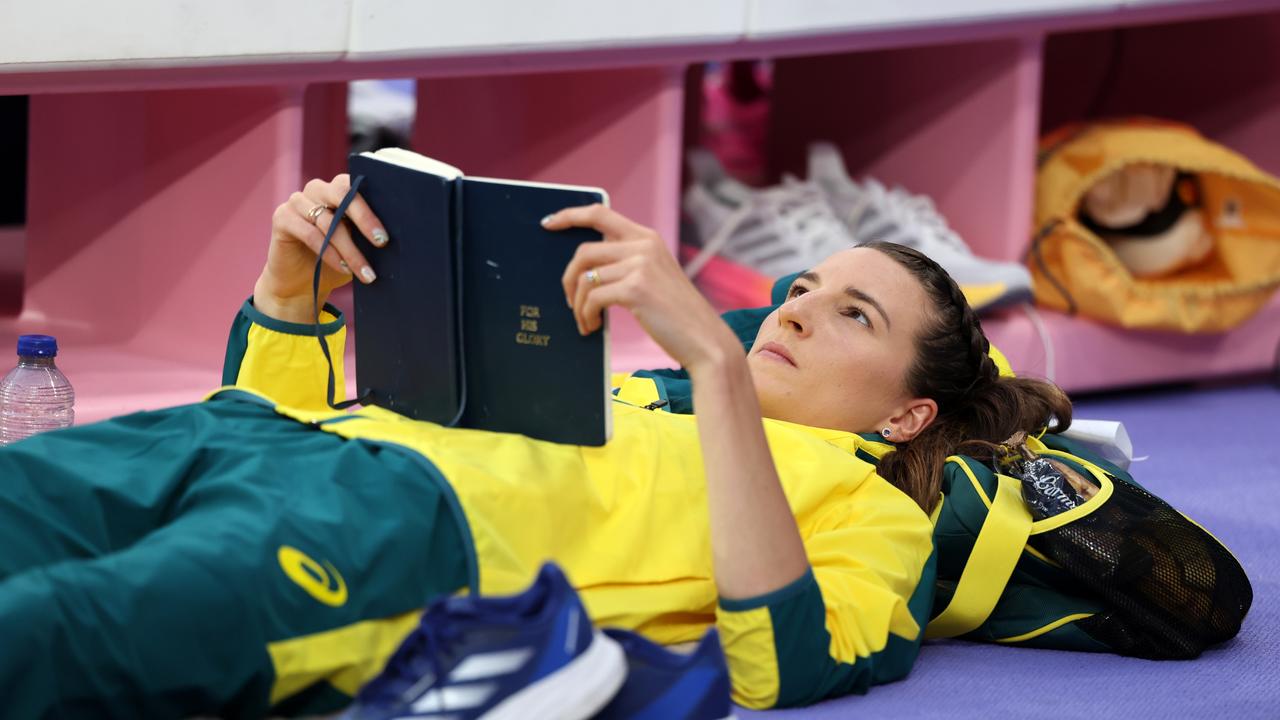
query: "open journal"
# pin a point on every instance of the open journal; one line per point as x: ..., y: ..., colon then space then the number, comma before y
x: 467, y: 322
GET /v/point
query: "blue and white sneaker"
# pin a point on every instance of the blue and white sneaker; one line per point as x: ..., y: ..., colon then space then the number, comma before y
x: 532, y: 655
x: 666, y: 685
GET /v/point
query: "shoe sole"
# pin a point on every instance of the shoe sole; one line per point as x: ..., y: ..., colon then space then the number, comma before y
x: 576, y: 692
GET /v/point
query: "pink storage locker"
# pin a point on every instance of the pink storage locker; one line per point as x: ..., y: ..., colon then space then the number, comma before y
x: 1221, y: 76
x: 151, y: 188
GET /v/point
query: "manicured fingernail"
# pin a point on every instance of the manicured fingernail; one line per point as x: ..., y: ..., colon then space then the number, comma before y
x: 380, y: 237
x: 546, y: 219
x: 368, y: 274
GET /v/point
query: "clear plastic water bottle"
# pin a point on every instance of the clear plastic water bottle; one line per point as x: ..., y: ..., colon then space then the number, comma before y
x: 35, y: 396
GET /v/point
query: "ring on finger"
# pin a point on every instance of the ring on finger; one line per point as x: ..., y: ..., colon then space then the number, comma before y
x: 593, y: 276
x: 313, y: 215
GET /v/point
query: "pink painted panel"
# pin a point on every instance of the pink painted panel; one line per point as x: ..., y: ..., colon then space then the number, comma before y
x: 149, y: 212
x: 620, y: 130
x: 1222, y: 76
x: 955, y: 122
x: 1092, y: 356
x: 147, y: 224
x: 325, y: 132
x: 149, y: 209
x: 114, y: 380
x: 13, y: 246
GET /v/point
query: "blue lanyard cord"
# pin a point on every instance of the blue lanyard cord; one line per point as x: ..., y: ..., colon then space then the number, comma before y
x: 455, y: 228
x: 338, y: 215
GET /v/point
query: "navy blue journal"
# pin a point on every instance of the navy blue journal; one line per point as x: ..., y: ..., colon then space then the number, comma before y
x: 467, y: 323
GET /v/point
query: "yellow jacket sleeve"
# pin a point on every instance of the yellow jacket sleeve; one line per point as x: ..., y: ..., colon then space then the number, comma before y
x: 283, y: 360
x: 853, y: 620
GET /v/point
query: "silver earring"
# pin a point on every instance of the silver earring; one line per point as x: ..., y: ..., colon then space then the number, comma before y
x: 886, y: 432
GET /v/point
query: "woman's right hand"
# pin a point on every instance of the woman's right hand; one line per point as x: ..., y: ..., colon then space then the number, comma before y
x: 283, y: 290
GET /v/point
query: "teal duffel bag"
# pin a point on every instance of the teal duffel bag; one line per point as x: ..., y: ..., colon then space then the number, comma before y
x: 1123, y: 572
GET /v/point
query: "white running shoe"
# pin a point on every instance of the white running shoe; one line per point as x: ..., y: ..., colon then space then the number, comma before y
x: 872, y: 212
x: 777, y: 231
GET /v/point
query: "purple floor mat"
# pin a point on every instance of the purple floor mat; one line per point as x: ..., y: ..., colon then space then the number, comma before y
x: 1214, y: 455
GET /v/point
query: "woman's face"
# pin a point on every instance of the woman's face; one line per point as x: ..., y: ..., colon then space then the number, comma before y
x: 836, y: 353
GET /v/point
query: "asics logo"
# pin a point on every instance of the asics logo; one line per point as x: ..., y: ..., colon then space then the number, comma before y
x: 322, y: 582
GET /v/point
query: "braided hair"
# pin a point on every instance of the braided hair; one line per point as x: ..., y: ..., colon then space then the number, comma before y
x: 953, y: 367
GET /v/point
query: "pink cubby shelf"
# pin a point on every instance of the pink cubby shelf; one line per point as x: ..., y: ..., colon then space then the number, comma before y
x: 13, y: 243
x: 959, y: 122
x: 1089, y: 356
x: 147, y: 223
x: 152, y: 182
x: 955, y: 122
x: 622, y: 132
x: 1229, y: 89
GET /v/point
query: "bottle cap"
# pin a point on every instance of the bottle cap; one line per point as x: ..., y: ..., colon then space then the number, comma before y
x: 38, y: 346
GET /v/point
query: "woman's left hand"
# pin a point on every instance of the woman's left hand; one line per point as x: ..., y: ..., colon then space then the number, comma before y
x: 633, y: 268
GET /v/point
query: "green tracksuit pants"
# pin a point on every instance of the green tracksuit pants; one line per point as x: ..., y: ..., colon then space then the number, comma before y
x: 148, y: 562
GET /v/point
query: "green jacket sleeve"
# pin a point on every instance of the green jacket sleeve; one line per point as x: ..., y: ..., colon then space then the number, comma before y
x: 283, y: 360
x: 855, y: 619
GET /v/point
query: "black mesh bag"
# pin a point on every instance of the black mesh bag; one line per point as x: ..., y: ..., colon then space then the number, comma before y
x: 1113, y: 570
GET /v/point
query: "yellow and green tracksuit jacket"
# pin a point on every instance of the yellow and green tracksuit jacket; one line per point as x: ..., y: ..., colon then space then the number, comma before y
x: 628, y: 523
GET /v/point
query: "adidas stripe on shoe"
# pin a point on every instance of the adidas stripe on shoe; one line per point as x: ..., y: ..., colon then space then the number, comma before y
x: 527, y: 656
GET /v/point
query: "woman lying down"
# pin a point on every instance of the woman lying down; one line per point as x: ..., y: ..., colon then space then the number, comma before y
x: 260, y: 552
